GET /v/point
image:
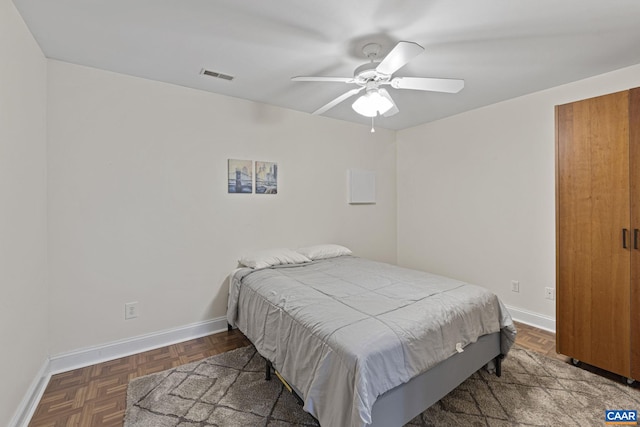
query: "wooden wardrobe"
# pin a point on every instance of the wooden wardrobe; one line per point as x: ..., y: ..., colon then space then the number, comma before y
x: 598, y: 232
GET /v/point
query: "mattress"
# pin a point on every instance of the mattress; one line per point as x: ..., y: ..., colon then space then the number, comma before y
x: 345, y: 330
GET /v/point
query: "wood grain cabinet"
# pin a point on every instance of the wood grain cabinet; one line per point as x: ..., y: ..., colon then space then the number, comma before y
x: 598, y: 231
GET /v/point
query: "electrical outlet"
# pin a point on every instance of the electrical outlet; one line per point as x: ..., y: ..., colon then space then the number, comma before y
x: 130, y: 310
x: 515, y: 286
x: 550, y: 293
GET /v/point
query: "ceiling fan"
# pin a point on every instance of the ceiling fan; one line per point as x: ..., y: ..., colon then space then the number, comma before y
x: 371, y: 78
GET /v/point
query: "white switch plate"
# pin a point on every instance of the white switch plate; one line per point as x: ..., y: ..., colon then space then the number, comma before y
x: 515, y: 286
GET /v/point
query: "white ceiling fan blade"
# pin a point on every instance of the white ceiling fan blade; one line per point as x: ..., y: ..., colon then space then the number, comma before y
x: 337, y: 101
x: 430, y: 84
x: 399, y: 56
x: 322, y: 79
x: 393, y: 110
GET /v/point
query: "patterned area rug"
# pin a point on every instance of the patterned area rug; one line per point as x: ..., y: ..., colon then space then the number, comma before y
x: 230, y: 390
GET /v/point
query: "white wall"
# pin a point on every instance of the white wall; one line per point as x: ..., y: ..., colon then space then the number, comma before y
x: 23, y: 268
x: 139, y: 209
x: 476, y: 192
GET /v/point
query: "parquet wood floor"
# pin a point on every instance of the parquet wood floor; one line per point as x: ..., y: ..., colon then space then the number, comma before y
x: 96, y: 395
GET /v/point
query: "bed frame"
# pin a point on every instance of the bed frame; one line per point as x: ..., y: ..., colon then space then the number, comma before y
x: 401, y: 404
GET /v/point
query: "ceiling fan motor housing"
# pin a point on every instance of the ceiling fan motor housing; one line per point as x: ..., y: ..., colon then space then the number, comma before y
x: 367, y: 72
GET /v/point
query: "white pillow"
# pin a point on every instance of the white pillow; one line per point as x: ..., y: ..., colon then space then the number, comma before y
x: 267, y: 258
x: 324, y: 251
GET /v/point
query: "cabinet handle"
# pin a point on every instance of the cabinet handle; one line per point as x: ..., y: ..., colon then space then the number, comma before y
x: 624, y: 238
x: 635, y: 238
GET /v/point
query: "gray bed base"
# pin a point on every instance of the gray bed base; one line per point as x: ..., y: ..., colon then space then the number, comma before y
x: 400, y: 405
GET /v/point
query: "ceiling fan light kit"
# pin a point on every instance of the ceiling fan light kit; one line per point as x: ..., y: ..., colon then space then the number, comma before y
x: 369, y: 77
x: 372, y: 103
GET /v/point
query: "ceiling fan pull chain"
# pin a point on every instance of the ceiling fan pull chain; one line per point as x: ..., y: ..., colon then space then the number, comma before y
x: 373, y: 130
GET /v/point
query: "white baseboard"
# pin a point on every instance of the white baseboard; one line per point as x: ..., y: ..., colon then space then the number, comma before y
x: 102, y: 353
x: 534, y: 319
x: 31, y: 398
x: 114, y: 350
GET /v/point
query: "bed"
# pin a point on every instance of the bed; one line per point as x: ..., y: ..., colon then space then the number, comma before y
x: 365, y: 343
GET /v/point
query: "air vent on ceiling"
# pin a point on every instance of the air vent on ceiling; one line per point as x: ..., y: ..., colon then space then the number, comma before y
x: 216, y: 74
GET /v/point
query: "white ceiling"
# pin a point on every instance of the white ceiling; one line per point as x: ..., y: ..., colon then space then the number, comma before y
x: 501, y: 48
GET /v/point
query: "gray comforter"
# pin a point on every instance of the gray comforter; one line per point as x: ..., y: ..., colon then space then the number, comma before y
x: 345, y: 330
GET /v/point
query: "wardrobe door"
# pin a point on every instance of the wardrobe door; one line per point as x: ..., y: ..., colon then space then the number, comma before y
x: 634, y: 146
x: 593, y: 231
